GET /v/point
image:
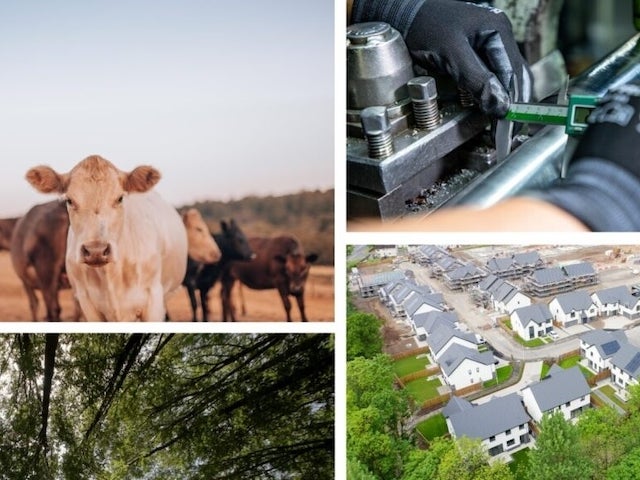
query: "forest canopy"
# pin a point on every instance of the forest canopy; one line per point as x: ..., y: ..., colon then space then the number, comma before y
x: 160, y: 406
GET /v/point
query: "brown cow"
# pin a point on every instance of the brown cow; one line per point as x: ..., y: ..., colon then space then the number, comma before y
x: 279, y: 263
x: 6, y: 230
x: 38, y: 251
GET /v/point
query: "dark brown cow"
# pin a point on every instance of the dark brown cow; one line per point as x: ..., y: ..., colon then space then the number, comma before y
x: 38, y: 248
x: 6, y: 230
x: 279, y: 263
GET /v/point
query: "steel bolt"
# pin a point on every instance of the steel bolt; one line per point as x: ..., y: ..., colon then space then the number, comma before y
x: 377, y: 130
x: 424, y: 97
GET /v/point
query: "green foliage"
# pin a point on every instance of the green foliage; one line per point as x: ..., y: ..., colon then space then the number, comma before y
x: 309, y: 216
x: 627, y: 469
x: 558, y: 454
x: 601, y: 437
x: 363, y: 335
x: 156, y: 406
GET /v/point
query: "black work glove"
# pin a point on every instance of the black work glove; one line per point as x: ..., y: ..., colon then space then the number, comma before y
x: 602, y: 186
x: 472, y: 43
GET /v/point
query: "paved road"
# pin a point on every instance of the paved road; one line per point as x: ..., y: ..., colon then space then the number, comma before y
x: 530, y: 375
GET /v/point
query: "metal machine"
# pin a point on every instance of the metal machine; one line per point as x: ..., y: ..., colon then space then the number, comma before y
x: 416, y: 144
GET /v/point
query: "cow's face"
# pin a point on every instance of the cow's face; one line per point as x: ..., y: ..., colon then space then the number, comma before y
x: 296, y: 267
x: 237, y: 240
x: 95, y: 192
x: 202, y: 246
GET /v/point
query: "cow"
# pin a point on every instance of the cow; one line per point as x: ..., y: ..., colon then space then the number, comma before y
x: 38, y: 249
x: 6, y: 230
x: 279, y: 263
x: 203, y: 276
x: 126, y: 246
x: 202, y: 246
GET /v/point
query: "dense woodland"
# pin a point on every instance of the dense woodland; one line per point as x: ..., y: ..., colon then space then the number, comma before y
x: 166, y: 406
x: 309, y: 216
x: 382, y: 446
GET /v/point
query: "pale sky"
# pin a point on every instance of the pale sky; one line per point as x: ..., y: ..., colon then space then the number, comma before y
x: 225, y: 98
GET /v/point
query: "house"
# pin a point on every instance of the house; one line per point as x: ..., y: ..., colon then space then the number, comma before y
x: 561, y: 390
x: 462, y: 366
x: 501, y: 424
x: 505, y: 297
x: 426, y: 322
x: 444, y: 264
x: 532, y: 321
x: 423, y: 302
x: 443, y: 336
x: 463, y: 276
x: 385, y: 251
x: 548, y: 281
x: 581, y: 274
x: 598, y: 346
x: 573, y: 308
x: 516, y: 265
x: 369, y: 284
x: 625, y: 366
x: 617, y: 301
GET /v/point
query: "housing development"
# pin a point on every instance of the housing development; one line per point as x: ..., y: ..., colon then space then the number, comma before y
x: 501, y: 336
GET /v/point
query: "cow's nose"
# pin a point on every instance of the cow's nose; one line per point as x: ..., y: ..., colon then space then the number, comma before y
x: 96, y: 253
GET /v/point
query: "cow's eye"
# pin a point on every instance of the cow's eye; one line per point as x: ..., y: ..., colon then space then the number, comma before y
x: 69, y: 203
x: 120, y: 199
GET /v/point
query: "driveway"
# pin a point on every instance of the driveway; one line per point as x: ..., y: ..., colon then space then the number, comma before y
x: 530, y: 375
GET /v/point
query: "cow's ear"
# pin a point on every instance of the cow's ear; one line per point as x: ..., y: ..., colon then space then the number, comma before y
x: 312, y: 257
x: 141, y: 179
x: 280, y: 258
x: 47, y: 180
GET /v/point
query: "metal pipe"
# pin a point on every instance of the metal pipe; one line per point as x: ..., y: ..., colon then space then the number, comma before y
x: 538, y: 162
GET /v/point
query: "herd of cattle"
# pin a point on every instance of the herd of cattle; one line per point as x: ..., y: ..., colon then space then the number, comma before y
x: 123, y: 249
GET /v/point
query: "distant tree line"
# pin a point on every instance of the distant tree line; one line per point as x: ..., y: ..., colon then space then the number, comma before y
x: 307, y: 215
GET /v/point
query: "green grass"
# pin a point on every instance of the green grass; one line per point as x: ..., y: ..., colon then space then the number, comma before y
x: 433, y: 427
x: 536, y: 342
x: 423, y: 389
x: 519, y: 458
x: 609, y: 391
x: 408, y: 365
x: 568, y: 363
x: 502, y: 375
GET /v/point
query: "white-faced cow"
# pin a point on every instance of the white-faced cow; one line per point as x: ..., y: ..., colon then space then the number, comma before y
x: 279, y: 263
x: 126, y: 246
x: 38, y: 251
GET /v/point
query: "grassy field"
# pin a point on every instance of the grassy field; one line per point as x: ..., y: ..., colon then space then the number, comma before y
x: 568, y: 363
x: 502, y: 375
x: 609, y: 391
x: 433, y: 427
x: 408, y: 365
x: 519, y: 458
x: 423, y: 389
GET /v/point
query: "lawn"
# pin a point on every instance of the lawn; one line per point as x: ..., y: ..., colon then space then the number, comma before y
x: 609, y: 391
x: 568, y: 363
x: 408, y: 365
x: 536, y: 342
x: 423, y: 389
x: 433, y: 427
x: 502, y: 375
x: 519, y: 458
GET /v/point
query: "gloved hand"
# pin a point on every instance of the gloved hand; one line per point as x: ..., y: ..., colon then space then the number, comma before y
x: 602, y: 186
x: 472, y: 43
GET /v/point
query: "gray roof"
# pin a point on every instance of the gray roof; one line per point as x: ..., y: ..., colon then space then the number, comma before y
x: 559, y: 387
x: 380, y: 278
x: 617, y: 295
x: 455, y: 405
x: 579, y: 269
x: 500, y: 264
x: 413, y: 303
x: 456, y: 354
x: 487, y: 282
x: 504, y: 292
x: 546, y: 276
x: 607, y: 343
x: 443, y: 333
x: 464, y: 271
x: 430, y: 320
x: 527, y: 258
x: 628, y: 360
x: 574, y: 301
x: 489, y: 419
x: 538, y: 312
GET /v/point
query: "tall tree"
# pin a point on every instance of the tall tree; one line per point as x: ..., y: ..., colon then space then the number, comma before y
x: 363, y: 335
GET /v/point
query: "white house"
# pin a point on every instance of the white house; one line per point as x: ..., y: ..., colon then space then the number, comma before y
x: 617, y: 301
x: 501, y: 424
x: 532, y: 321
x: 573, y: 308
x: 505, y: 297
x: 425, y: 323
x: 422, y: 303
x: 625, y: 367
x: 444, y: 336
x: 598, y: 346
x: 562, y: 390
x: 463, y: 366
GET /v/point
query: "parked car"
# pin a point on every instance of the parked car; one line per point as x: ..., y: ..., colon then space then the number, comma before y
x: 553, y: 334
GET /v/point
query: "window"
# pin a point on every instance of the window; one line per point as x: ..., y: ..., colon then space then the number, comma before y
x: 477, y: 369
x: 469, y: 372
x: 510, y: 442
x: 567, y: 404
x: 507, y: 432
x: 492, y: 438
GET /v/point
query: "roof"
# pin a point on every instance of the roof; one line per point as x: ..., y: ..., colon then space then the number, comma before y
x: 489, y: 419
x: 430, y: 320
x: 453, y: 356
x: 546, y: 276
x: 500, y: 264
x: 413, y: 303
x: 538, y: 313
x: 487, y: 282
x: 579, y: 269
x: 627, y: 359
x: 455, y: 405
x: 607, y: 343
x: 527, y: 258
x: 464, y: 271
x: 574, y: 301
x: 617, y: 295
x: 443, y: 333
x: 380, y: 278
x: 559, y: 387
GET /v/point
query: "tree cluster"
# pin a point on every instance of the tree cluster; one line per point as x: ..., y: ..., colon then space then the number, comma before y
x: 156, y: 406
